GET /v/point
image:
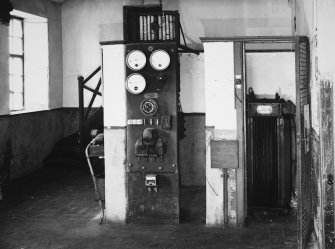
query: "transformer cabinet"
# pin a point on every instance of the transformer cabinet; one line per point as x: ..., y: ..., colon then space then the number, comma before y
x: 152, y: 83
x: 270, y: 153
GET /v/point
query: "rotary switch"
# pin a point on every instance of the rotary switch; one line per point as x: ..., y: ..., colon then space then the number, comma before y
x: 149, y: 107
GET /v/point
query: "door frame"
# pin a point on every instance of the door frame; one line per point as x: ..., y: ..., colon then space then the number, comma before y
x: 295, y: 42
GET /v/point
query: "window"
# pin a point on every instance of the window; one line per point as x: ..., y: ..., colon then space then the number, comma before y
x: 28, y: 63
x: 16, y: 62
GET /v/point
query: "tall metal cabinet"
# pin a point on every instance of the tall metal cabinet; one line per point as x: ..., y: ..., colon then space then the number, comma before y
x: 269, y: 136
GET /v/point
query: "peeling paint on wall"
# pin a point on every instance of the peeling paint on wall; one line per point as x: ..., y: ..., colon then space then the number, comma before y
x: 327, y: 158
x: 26, y: 139
x: 231, y: 193
x: 317, y: 186
x: 214, y: 188
x: 192, y: 151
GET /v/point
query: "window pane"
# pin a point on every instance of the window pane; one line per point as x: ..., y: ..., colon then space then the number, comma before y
x: 16, y: 66
x: 16, y: 101
x: 16, y: 46
x: 17, y: 28
x: 16, y: 83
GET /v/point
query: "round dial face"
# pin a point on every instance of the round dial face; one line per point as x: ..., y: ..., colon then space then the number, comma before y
x: 135, y: 83
x: 160, y: 59
x: 149, y: 107
x: 136, y: 60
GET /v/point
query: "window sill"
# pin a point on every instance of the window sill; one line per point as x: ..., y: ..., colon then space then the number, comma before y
x: 12, y: 113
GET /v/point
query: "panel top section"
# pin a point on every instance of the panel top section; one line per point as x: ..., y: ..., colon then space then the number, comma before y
x: 249, y: 39
x: 103, y: 43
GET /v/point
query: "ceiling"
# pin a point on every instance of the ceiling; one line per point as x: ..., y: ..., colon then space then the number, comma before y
x: 58, y: 1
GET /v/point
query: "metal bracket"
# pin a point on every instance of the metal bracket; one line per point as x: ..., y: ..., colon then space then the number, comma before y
x: 188, y: 50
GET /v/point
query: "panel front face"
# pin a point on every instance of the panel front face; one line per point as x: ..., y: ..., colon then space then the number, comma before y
x: 161, y: 207
x: 152, y: 80
x: 151, y: 108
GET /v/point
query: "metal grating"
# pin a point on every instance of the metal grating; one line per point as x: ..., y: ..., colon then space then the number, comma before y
x: 158, y: 27
x: 305, y: 212
x: 263, y: 191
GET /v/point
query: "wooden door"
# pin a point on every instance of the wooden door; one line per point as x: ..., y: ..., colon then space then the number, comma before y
x: 303, y: 125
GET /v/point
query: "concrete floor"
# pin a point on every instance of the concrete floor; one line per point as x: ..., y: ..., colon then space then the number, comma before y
x: 54, y: 208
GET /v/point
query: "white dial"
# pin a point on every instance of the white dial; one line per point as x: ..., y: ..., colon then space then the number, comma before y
x: 135, y: 83
x: 136, y: 60
x: 159, y: 60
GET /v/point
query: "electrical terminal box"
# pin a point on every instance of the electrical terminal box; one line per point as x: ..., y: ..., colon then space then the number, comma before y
x: 162, y: 122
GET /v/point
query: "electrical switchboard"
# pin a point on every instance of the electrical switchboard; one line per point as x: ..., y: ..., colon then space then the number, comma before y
x: 152, y: 83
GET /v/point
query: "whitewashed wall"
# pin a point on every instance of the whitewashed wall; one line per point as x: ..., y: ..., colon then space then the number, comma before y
x: 270, y: 73
x: 86, y: 23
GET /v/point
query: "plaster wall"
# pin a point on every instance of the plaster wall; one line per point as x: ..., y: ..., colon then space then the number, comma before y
x: 26, y: 139
x: 4, y: 69
x: 217, y: 18
x: 32, y: 137
x: 192, y: 83
x: 316, y: 19
x: 305, y: 12
x: 270, y: 73
x: 86, y: 23
x: 325, y: 46
x: 221, y: 124
x: 115, y: 122
x: 192, y: 151
x: 306, y: 26
x: 52, y: 12
x: 325, y: 75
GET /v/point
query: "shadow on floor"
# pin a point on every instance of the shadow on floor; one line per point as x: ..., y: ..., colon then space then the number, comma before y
x: 55, y: 208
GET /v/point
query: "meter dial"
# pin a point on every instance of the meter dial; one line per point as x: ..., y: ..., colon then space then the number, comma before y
x: 160, y: 60
x: 149, y: 107
x: 135, y: 83
x: 136, y: 60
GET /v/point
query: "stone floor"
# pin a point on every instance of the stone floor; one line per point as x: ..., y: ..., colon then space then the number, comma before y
x: 55, y: 208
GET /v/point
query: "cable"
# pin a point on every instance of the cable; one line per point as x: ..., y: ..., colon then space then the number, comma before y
x: 182, y: 33
x: 211, y: 187
x: 240, y: 100
x: 94, y: 180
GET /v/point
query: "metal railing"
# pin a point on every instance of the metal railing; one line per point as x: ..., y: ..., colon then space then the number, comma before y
x: 84, y: 114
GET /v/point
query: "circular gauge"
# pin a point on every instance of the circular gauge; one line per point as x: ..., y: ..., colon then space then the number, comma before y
x: 135, y: 83
x: 149, y: 107
x: 159, y: 60
x: 136, y: 60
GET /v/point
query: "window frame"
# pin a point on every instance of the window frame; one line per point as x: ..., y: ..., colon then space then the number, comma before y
x: 23, y: 61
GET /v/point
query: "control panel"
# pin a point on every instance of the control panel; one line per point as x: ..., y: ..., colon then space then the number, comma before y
x: 152, y: 86
x: 151, y: 83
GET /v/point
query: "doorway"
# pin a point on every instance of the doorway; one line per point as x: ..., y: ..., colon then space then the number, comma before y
x: 270, y: 131
x: 227, y: 81
x: 276, y: 73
